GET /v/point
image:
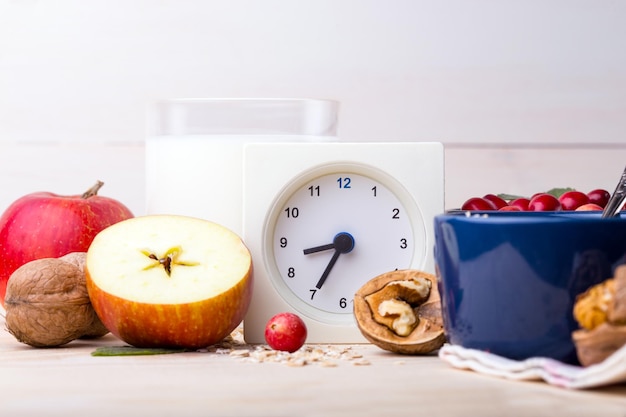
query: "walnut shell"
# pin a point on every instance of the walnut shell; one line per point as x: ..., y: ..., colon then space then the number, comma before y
x: 601, y: 313
x: 423, y: 336
x: 97, y: 328
x: 76, y: 258
x: 617, y: 309
x: 594, y: 346
x: 47, y: 303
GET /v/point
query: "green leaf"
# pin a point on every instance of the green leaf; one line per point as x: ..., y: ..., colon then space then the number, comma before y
x: 509, y: 197
x: 133, y: 351
x: 558, y: 192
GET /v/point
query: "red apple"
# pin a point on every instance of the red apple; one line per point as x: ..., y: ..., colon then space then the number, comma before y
x: 169, y: 281
x: 589, y: 207
x: 286, y: 332
x: 47, y: 225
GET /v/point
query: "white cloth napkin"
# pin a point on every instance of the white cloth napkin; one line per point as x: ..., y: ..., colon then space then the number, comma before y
x: 610, y: 371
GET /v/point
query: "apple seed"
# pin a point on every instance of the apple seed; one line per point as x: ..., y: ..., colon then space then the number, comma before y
x: 170, y: 258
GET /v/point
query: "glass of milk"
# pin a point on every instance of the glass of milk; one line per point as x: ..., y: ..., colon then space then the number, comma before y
x: 194, y: 149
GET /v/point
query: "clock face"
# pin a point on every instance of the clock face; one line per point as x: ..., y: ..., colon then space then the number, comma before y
x: 322, y: 219
x: 332, y: 230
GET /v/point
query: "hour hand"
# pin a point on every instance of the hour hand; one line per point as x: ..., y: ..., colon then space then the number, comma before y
x: 319, y: 248
x: 343, y: 242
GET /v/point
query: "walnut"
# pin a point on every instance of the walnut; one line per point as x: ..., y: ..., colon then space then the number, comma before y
x: 47, y: 303
x: 592, y: 307
x: 594, y: 346
x: 617, y: 309
x: 601, y: 313
x: 400, y: 311
x: 97, y: 328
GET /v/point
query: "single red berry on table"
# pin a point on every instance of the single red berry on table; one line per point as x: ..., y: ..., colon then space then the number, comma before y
x: 286, y: 332
x: 599, y: 197
x: 544, y: 202
x: 477, y: 203
x: 571, y: 200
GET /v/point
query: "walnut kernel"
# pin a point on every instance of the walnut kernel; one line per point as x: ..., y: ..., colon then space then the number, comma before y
x: 601, y: 313
x: 592, y: 307
x: 393, y: 304
x: 400, y: 311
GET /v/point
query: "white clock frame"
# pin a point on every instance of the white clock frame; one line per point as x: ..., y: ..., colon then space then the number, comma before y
x: 413, y: 170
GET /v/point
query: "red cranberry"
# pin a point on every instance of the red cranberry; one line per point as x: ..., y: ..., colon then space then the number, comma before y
x: 544, y: 202
x: 497, y: 201
x: 599, y: 197
x: 571, y: 200
x: 521, y: 202
x: 477, y: 203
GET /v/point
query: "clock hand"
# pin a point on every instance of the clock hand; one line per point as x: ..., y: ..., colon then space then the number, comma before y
x: 344, y: 239
x: 342, y: 243
x: 319, y: 248
x: 330, y: 265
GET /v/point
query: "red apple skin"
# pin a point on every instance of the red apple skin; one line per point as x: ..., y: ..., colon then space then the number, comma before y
x: 286, y: 332
x: 186, y: 326
x: 48, y: 225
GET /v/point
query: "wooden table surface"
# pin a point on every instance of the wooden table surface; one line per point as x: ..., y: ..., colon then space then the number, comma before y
x: 365, y: 381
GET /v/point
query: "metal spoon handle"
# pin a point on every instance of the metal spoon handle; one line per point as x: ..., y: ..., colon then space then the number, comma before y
x: 617, y: 198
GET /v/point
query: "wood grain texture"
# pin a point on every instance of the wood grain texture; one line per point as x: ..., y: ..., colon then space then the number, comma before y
x: 69, y: 381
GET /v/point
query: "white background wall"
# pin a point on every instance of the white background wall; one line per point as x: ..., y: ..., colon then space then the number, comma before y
x: 525, y: 95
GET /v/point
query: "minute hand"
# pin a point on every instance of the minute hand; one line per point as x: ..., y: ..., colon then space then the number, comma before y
x: 330, y: 265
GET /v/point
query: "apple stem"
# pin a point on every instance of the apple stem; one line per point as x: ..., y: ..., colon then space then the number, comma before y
x: 93, y: 190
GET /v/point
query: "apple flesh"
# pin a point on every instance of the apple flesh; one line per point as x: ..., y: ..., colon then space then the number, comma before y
x: 169, y: 281
x: 47, y: 225
x: 286, y: 332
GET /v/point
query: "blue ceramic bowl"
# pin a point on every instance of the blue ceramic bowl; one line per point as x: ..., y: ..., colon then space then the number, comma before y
x: 508, y: 280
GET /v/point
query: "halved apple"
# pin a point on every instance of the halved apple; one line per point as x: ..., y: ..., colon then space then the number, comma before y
x: 169, y: 281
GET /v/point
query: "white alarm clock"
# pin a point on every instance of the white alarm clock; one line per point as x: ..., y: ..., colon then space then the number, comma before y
x: 322, y: 219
